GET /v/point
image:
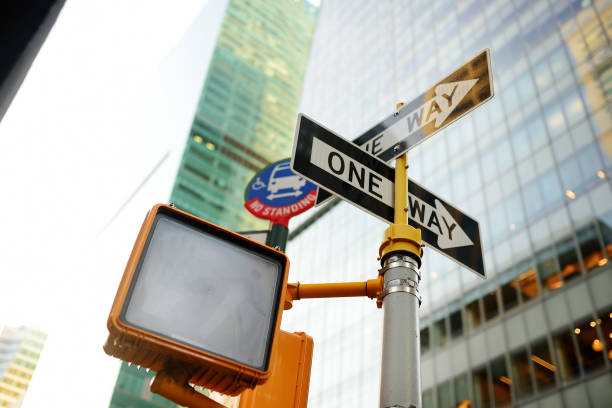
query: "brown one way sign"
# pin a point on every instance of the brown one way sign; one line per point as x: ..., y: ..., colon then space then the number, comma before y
x: 451, y: 98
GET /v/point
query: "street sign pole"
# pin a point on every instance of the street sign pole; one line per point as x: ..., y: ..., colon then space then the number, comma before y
x: 364, y: 180
x: 400, y: 384
x: 277, y: 237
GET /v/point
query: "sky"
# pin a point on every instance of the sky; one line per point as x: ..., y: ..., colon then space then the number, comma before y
x: 91, y: 141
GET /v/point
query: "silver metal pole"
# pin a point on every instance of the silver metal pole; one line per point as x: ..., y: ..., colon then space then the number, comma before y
x: 400, y: 380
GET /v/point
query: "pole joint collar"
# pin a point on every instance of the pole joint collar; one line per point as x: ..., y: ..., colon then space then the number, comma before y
x: 401, y: 285
x: 401, y: 239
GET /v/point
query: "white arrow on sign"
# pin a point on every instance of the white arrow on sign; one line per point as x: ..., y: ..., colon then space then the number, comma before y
x: 447, y: 97
x: 289, y: 194
x: 466, y: 88
x: 439, y: 221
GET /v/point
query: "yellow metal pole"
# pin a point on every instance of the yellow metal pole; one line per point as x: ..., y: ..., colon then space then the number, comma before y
x: 401, y: 192
x: 296, y: 291
x: 401, y: 184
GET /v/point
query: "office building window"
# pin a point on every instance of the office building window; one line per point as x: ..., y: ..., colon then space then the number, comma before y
x: 589, y: 344
x: 439, y: 332
x: 592, y: 253
x: 428, y: 399
x: 547, y: 269
x: 462, y: 395
x: 425, y: 340
x: 480, y: 388
x: 456, y: 323
x: 565, y: 354
x: 605, y: 320
x: 501, y: 382
x: 528, y: 286
x: 521, y: 374
x: 472, y: 314
x: 543, y: 368
x: 509, y: 295
x: 444, y: 394
x: 568, y: 259
x: 491, y: 309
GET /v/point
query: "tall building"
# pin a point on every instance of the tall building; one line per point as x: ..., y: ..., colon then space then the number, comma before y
x: 246, y: 114
x: 20, y: 349
x: 244, y: 121
x: 533, y: 166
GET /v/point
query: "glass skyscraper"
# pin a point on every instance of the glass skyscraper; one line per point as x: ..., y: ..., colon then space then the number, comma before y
x: 246, y: 114
x: 533, y: 166
x: 20, y: 349
x: 244, y: 121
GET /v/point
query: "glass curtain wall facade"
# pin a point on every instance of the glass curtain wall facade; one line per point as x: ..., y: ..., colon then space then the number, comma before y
x: 20, y: 349
x: 533, y: 166
x: 246, y: 114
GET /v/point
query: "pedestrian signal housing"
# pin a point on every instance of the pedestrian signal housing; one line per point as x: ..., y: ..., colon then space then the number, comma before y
x: 199, y: 297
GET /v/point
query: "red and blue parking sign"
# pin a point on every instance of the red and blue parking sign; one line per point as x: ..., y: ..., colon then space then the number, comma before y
x: 277, y: 194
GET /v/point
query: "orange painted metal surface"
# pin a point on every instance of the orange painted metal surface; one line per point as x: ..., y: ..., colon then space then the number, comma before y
x: 158, y: 353
x: 288, y: 385
x: 174, y: 386
x: 295, y: 291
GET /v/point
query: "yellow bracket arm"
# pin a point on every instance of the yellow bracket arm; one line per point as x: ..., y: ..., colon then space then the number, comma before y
x: 295, y: 291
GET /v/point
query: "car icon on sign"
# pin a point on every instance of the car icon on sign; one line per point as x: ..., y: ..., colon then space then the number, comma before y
x: 283, y: 178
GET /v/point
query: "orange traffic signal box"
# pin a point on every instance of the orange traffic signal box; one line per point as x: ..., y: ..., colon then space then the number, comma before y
x: 201, y: 298
x: 287, y: 387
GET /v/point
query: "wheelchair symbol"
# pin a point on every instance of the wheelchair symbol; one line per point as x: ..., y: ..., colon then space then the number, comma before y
x: 258, y: 184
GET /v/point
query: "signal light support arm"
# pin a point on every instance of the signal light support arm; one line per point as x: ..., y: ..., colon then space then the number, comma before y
x: 295, y: 291
x: 174, y: 386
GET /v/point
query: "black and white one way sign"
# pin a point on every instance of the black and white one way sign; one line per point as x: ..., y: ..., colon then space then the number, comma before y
x: 350, y: 172
x: 340, y: 166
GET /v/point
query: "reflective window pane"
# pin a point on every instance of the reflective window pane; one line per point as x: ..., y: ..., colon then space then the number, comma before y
x: 589, y: 344
x: 462, y: 395
x: 544, y: 370
x: 439, y: 333
x: 521, y: 373
x: 509, y: 295
x: 565, y: 354
x: 424, y: 340
x: 528, y: 286
x: 491, y: 309
x: 428, y: 399
x: 592, y: 253
x: 501, y: 382
x: 604, y: 318
x: 568, y: 259
x: 480, y: 388
x: 546, y: 264
x: 472, y: 314
x: 456, y: 324
x: 444, y: 394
